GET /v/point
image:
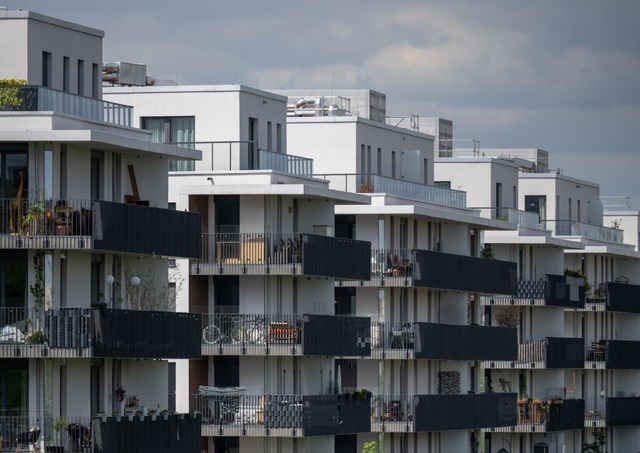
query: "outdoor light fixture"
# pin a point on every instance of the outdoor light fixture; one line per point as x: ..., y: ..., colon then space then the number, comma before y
x: 135, y: 281
x: 109, y: 279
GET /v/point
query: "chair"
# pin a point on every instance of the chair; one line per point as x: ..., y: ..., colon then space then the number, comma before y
x: 28, y: 439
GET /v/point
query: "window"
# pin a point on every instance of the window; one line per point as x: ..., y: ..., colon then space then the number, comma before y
x: 46, y: 69
x: 269, y: 136
x: 279, y: 137
x: 393, y: 164
x: 95, y: 81
x: 379, y: 162
x: 81, y: 77
x: 65, y: 73
x: 179, y: 130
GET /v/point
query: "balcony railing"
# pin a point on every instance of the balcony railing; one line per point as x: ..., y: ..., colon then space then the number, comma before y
x: 244, y: 155
x: 238, y: 414
x: 99, y: 225
x: 615, y: 297
x: 86, y: 332
x: 521, y: 218
x: 283, y: 254
x: 285, y: 334
x: 365, y: 183
x: 550, y: 352
x: 547, y: 415
x: 41, y: 99
x: 612, y: 354
x: 586, y: 230
x: 553, y: 291
x: 423, y: 268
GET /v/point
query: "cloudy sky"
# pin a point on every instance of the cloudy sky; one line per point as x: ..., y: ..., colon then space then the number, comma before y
x: 558, y: 75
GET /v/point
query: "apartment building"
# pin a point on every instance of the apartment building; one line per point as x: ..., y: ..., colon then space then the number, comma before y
x: 86, y: 314
x: 576, y: 371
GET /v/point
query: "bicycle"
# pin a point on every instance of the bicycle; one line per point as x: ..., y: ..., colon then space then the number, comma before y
x: 236, y: 329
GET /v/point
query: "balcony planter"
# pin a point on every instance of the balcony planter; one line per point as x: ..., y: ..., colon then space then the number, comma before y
x: 165, y: 415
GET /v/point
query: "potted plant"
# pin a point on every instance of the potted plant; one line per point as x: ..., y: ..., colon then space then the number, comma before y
x: 165, y: 414
x: 117, y: 415
x: 37, y: 337
x: 33, y: 219
x: 102, y: 415
x: 58, y: 425
x: 140, y: 414
x: 154, y: 414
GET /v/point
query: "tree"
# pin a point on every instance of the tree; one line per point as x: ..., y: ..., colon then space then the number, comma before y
x: 599, y: 439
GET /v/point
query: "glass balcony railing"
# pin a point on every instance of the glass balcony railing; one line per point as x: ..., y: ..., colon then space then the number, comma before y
x: 42, y: 99
x: 587, y: 230
x: 363, y: 183
x: 243, y: 155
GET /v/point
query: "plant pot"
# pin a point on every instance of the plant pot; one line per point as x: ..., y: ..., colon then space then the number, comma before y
x: 153, y: 417
x: 54, y: 449
x: 165, y: 416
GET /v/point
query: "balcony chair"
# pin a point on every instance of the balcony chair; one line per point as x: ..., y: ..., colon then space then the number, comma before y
x: 28, y: 440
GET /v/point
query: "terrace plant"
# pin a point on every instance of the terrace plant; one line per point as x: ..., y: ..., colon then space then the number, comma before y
x: 10, y: 98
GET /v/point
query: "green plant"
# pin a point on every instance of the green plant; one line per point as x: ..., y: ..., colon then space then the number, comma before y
x: 579, y: 274
x: 505, y: 385
x: 487, y: 253
x: 522, y: 382
x: 33, y: 215
x: 10, y: 93
x: 370, y: 447
x: 599, y: 440
x: 507, y: 316
x: 37, y: 289
x: 38, y: 337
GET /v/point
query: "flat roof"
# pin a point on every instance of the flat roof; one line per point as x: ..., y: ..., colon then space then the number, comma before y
x: 25, y: 14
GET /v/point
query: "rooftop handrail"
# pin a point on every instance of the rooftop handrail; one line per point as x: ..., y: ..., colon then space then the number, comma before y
x: 370, y: 183
x: 35, y: 98
x: 587, y: 230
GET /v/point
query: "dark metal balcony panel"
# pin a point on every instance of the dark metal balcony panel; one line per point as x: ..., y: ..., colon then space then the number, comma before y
x: 621, y: 354
x: 461, y: 342
x: 179, y: 433
x: 146, y: 334
x: 452, y: 412
x: 622, y: 297
x: 141, y: 229
x: 337, y: 336
x: 328, y: 415
x: 563, y: 291
x: 622, y: 411
x: 336, y: 257
x: 68, y: 328
x: 565, y: 352
x: 566, y: 416
x: 464, y: 273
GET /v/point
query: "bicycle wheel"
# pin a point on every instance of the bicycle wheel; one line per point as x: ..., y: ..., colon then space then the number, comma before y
x: 211, y: 334
x: 257, y: 335
x: 238, y: 334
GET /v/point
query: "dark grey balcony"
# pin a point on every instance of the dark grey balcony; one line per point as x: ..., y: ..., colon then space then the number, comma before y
x: 421, y: 413
x: 283, y: 254
x: 552, y: 291
x: 470, y: 411
x: 427, y: 269
x: 282, y: 415
x: 550, y: 352
x: 547, y: 415
x: 84, y: 332
x: 173, y: 433
x: 615, y: 297
x: 622, y: 411
x: 285, y: 334
x: 98, y: 225
x: 612, y: 354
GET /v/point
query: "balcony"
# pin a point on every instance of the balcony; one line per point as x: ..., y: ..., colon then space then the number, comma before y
x: 283, y: 254
x: 618, y: 411
x: 612, y: 354
x: 285, y: 335
x: 427, y: 269
x: 363, y: 183
x: 145, y: 434
x: 424, y: 413
x: 98, y: 225
x: 551, y: 353
x: 85, y: 332
x: 615, y: 297
x: 398, y: 340
x: 41, y: 99
x: 586, y: 230
x: 552, y: 291
x: 238, y: 414
x: 547, y: 415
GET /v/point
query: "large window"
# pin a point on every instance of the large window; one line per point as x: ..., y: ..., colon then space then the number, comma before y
x: 179, y: 129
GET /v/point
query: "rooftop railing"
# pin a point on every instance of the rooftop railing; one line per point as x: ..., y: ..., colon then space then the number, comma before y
x: 521, y: 218
x: 367, y: 183
x: 41, y: 99
x: 244, y: 155
x: 587, y: 230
